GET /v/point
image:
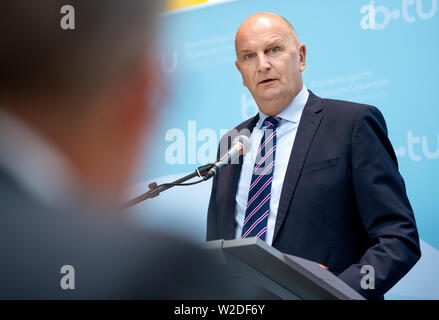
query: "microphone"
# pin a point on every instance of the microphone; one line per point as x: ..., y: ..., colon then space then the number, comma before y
x: 241, y: 145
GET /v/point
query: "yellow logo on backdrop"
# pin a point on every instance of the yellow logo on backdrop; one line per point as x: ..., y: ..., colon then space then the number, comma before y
x: 180, y: 4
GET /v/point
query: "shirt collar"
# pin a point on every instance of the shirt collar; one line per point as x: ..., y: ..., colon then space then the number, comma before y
x: 292, y: 112
x: 34, y: 163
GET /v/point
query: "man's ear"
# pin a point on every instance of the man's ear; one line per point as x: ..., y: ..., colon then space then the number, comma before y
x: 243, y: 80
x: 302, y: 57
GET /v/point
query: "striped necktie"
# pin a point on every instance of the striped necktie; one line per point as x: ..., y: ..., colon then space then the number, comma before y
x: 258, y: 203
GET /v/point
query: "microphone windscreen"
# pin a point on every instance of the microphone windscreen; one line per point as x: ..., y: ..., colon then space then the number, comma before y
x: 244, y: 141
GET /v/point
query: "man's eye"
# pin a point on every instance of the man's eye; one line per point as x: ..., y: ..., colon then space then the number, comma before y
x: 274, y: 50
x: 248, y: 56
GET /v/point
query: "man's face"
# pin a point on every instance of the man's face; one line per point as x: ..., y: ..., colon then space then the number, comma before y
x: 270, y: 60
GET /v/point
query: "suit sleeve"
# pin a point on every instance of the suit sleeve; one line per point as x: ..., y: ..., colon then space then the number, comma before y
x: 384, y: 208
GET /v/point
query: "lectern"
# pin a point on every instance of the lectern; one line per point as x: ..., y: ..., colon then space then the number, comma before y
x: 265, y: 273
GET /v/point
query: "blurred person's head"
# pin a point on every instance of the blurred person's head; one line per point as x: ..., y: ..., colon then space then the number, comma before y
x: 86, y: 90
x: 271, y: 60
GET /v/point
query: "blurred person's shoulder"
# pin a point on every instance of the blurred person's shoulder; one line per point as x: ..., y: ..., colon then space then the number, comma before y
x: 105, y: 256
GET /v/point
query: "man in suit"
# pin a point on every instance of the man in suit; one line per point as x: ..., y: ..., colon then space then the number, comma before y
x: 321, y: 181
x: 75, y: 105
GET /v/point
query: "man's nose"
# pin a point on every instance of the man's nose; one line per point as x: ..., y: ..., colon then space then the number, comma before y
x: 263, y: 63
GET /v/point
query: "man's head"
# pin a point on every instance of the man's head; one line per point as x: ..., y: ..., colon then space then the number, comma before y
x: 86, y: 90
x: 271, y: 60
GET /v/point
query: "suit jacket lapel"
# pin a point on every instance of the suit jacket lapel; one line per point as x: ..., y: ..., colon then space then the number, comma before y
x: 308, y: 125
x: 234, y: 172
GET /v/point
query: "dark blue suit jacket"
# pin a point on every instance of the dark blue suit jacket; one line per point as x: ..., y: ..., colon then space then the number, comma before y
x: 343, y: 203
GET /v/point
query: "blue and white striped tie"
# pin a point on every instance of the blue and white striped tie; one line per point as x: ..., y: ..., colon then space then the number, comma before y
x: 258, y: 203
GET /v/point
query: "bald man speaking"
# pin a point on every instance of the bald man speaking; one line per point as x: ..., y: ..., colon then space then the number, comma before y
x: 321, y: 181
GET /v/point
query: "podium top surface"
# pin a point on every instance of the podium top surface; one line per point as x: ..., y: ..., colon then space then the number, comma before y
x: 307, y: 279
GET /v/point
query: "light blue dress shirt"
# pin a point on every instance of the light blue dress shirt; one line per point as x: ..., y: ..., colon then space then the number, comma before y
x: 286, y: 134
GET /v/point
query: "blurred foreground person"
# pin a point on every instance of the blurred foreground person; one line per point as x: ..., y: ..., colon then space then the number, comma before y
x: 72, y: 116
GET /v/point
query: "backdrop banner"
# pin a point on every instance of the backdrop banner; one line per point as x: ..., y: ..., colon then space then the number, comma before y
x: 378, y: 52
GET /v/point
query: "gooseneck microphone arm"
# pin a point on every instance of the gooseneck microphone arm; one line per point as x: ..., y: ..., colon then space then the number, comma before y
x: 240, y: 146
x: 155, y: 190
